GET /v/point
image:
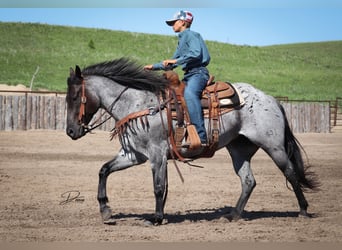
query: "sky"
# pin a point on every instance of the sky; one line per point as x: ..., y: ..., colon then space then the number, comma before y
x: 243, y: 23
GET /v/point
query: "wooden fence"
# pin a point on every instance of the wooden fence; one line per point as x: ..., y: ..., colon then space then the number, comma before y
x: 308, y: 117
x: 23, y: 112
x: 36, y: 111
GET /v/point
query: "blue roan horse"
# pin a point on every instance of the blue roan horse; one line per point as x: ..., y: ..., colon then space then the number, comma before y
x: 122, y: 87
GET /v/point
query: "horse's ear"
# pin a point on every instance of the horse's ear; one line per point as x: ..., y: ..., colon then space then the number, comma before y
x: 78, y: 72
x: 72, y: 72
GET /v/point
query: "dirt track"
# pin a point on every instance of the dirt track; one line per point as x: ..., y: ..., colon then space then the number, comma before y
x: 37, y: 167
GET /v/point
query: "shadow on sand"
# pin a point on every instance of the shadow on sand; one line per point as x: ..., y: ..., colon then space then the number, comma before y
x: 207, y: 215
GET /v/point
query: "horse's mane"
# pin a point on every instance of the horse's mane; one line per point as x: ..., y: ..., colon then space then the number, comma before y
x: 128, y: 73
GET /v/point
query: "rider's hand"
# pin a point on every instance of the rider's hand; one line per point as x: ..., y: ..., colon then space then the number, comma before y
x: 169, y: 62
x: 148, y: 67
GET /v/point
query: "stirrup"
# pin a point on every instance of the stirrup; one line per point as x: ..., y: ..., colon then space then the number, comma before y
x: 186, y: 145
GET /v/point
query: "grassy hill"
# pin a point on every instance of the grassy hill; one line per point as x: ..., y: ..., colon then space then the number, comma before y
x: 310, y: 71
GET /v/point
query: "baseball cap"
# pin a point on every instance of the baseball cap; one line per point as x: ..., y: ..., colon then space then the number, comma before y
x: 181, y: 15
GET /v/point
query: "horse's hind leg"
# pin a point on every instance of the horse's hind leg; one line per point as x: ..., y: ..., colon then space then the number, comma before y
x: 286, y: 166
x: 121, y: 161
x: 291, y: 177
x: 241, y: 151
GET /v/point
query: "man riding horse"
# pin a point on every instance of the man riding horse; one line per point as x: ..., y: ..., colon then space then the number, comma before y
x: 193, y: 56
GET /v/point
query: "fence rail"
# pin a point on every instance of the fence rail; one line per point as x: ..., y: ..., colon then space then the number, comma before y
x: 47, y: 110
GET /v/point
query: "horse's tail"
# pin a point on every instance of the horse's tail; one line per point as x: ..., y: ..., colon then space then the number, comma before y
x: 307, y: 179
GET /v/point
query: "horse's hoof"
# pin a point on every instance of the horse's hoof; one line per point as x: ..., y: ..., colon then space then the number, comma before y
x: 154, y: 222
x: 158, y: 222
x: 304, y: 214
x: 233, y: 216
x: 106, y: 213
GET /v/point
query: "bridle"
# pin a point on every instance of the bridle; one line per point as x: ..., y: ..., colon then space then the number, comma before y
x: 81, y: 115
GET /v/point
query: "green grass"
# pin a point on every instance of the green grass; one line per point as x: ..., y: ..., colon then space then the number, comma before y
x: 307, y: 71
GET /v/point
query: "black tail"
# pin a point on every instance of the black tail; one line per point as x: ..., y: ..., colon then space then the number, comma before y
x: 307, y: 179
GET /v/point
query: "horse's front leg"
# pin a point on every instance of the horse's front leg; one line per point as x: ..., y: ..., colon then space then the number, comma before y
x: 121, y: 161
x: 160, y: 184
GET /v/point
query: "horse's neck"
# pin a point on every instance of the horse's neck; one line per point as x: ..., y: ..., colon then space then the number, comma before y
x: 121, y: 101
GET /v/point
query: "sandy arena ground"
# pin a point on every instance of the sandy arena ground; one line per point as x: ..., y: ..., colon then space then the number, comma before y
x: 39, y: 169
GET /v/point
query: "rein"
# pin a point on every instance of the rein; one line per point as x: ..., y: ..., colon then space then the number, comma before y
x: 120, y: 125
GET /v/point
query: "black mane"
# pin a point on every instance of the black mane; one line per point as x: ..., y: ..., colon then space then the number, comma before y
x: 128, y: 73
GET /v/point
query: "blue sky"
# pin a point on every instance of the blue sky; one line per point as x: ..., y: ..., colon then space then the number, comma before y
x: 243, y: 23
x: 173, y: 3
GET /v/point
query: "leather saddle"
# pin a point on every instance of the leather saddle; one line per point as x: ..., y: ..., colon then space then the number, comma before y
x: 217, y: 98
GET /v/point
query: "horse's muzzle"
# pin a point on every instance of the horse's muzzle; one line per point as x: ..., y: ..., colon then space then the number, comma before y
x: 75, y: 132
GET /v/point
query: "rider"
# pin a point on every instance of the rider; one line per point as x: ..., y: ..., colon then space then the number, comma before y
x: 193, y: 56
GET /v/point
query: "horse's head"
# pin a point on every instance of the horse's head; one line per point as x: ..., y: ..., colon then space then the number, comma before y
x: 81, y: 105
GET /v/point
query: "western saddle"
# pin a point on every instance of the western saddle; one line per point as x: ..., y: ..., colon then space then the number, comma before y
x: 217, y: 98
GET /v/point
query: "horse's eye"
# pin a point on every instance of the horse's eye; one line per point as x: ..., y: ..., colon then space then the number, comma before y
x: 73, y: 95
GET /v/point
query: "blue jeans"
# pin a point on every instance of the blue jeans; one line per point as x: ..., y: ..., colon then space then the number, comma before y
x: 196, y: 80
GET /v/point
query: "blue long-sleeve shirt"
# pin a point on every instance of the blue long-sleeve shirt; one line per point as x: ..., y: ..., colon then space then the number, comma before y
x: 191, y: 52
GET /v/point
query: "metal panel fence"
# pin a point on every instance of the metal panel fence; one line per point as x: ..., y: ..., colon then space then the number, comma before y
x: 24, y: 111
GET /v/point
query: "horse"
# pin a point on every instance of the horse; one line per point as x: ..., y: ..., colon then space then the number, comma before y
x: 122, y: 87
